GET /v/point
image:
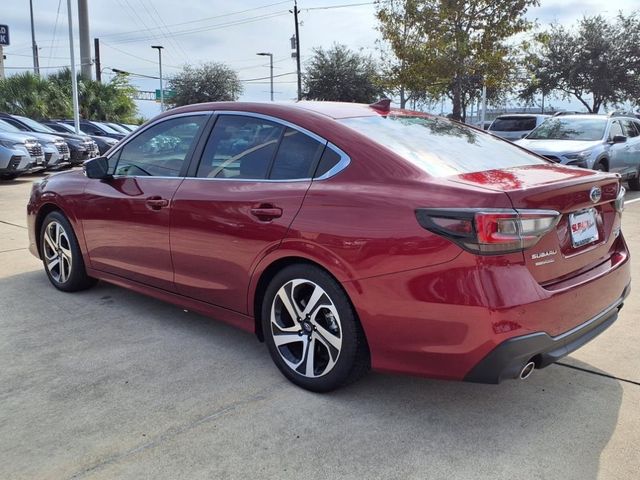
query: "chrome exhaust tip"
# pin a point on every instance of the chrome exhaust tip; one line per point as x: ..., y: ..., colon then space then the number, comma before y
x: 527, y: 370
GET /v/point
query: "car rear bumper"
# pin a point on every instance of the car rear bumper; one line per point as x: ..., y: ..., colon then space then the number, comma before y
x: 507, y: 360
x: 444, y: 321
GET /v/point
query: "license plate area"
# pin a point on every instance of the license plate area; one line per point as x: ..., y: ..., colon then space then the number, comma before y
x: 583, y: 227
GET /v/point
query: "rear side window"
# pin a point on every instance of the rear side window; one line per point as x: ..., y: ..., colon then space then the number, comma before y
x: 631, y: 128
x: 329, y: 160
x: 441, y: 147
x: 513, y: 124
x: 297, y: 156
x: 240, y: 147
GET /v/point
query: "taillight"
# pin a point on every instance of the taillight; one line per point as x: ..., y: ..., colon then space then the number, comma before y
x: 619, y: 204
x: 489, y: 231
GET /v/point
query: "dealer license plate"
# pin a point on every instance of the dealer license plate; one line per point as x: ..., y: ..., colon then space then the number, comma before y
x: 584, y: 229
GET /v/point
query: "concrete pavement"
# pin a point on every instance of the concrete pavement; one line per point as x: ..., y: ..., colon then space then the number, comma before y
x: 110, y: 384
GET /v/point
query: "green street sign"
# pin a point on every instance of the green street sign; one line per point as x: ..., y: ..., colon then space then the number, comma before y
x: 168, y: 94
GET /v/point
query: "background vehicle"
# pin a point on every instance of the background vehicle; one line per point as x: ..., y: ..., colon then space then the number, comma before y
x: 56, y: 150
x: 91, y: 127
x: 103, y: 143
x: 514, y: 127
x: 118, y: 128
x: 19, y: 153
x: 610, y: 144
x: 81, y: 147
x: 347, y: 236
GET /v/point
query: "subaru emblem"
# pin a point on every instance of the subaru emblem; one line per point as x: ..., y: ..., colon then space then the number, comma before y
x: 595, y: 194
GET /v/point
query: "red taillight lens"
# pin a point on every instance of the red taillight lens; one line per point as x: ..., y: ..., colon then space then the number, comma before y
x: 489, y: 231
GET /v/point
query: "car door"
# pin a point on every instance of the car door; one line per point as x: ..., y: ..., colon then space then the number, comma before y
x: 617, y: 151
x: 238, y: 204
x: 632, y: 147
x: 126, y: 218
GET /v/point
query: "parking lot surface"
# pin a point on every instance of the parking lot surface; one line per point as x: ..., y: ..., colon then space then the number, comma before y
x: 110, y: 384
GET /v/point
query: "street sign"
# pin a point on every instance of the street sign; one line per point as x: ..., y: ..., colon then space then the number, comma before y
x: 4, y: 35
x: 168, y: 94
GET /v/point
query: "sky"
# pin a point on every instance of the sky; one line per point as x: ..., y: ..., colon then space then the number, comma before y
x: 231, y: 32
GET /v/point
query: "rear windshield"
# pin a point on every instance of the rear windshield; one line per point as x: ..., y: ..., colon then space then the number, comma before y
x: 566, y: 128
x: 441, y: 147
x: 513, y: 124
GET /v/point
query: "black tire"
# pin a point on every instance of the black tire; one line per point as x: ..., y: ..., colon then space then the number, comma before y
x: 9, y: 176
x: 634, y: 183
x: 68, y: 276
x: 333, y: 367
x: 600, y: 166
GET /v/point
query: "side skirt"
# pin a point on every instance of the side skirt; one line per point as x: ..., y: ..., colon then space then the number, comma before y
x: 235, y: 319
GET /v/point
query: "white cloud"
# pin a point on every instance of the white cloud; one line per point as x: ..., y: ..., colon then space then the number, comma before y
x: 234, y: 44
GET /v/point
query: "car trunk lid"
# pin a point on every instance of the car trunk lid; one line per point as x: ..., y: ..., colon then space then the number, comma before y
x: 571, y: 247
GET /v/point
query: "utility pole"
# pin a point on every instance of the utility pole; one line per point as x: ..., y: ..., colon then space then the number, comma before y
x: 85, y: 39
x: 270, y: 55
x: 74, y: 77
x: 1, y: 63
x: 160, y: 47
x: 34, y: 45
x: 96, y: 47
x: 484, y: 104
x: 295, y: 16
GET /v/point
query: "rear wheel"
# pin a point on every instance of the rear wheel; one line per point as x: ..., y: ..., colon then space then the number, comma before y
x: 61, y: 255
x: 311, y: 330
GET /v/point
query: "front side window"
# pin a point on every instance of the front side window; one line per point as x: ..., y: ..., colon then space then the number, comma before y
x: 616, y: 129
x: 160, y: 150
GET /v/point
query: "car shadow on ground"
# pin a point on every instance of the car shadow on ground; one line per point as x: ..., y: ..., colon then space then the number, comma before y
x: 85, y: 373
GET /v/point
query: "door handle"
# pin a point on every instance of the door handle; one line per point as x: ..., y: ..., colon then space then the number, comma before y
x: 266, y: 212
x: 156, y: 202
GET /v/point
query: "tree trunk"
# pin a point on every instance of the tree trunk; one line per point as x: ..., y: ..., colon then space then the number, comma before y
x: 457, y: 99
x: 403, y: 98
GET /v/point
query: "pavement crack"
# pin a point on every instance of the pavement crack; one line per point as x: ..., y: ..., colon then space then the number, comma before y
x: 13, y: 224
x: 601, y: 374
x: 13, y: 250
x: 173, y: 432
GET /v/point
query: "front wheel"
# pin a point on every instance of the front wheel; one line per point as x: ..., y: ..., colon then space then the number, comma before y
x: 634, y: 183
x: 61, y: 255
x: 311, y: 330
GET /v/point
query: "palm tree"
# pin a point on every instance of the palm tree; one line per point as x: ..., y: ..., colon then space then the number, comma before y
x: 33, y: 96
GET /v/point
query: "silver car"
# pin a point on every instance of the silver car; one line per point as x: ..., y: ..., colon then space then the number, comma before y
x: 598, y: 142
x: 56, y: 150
x: 514, y: 127
x: 19, y: 153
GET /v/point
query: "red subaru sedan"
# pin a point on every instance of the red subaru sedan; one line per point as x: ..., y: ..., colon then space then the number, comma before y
x: 347, y: 237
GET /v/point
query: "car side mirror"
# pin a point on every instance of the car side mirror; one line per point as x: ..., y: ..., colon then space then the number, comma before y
x: 524, y: 135
x: 618, y: 139
x: 97, y: 168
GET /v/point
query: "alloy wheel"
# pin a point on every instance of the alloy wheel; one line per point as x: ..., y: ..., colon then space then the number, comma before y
x: 57, y: 252
x: 306, y: 328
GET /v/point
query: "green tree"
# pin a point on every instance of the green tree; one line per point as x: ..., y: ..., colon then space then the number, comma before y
x: 339, y: 74
x: 210, y: 82
x: 108, y: 101
x: 33, y: 96
x: 598, y: 63
x: 452, y: 47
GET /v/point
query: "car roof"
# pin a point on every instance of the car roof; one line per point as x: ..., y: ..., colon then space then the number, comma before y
x: 522, y: 115
x: 335, y: 110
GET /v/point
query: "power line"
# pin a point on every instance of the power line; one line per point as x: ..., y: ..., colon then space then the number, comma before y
x: 331, y: 7
x: 55, y: 28
x: 136, y: 56
x: 265, y: 78
x: 211, y: 27
x: 206, y: 19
